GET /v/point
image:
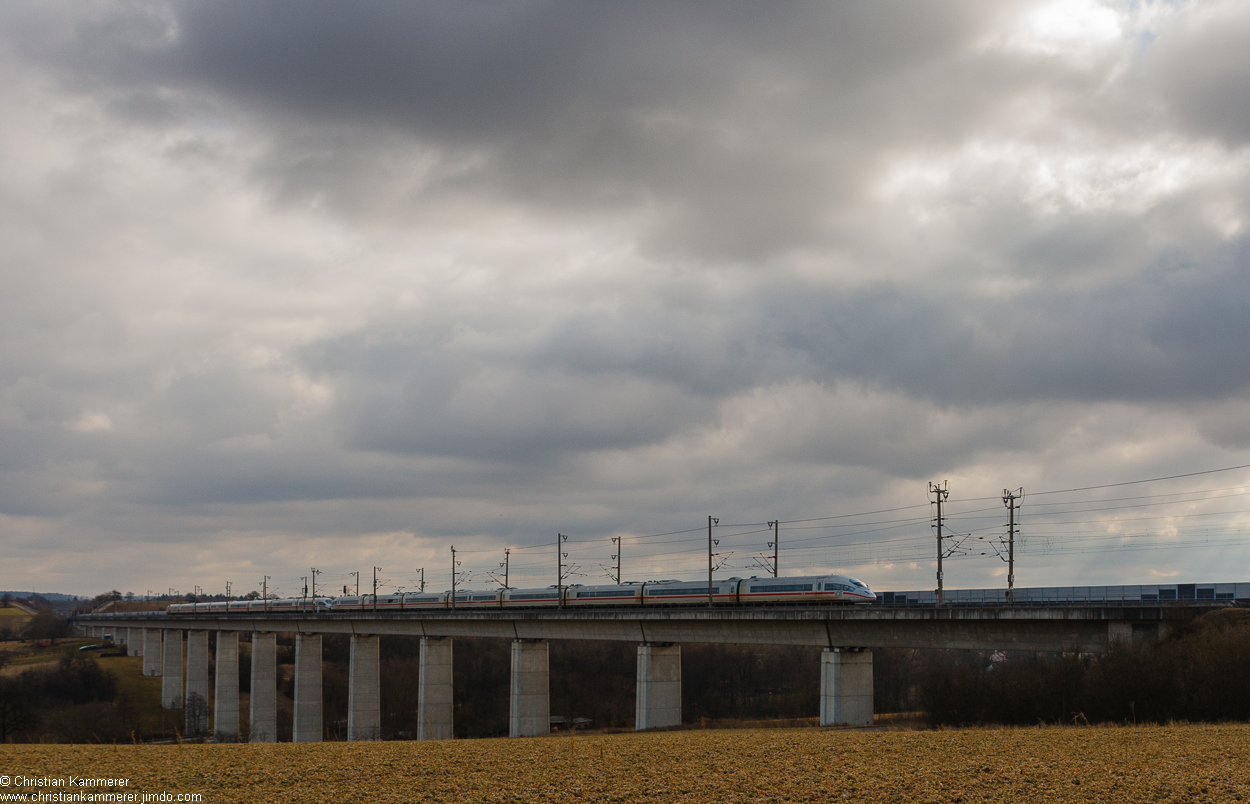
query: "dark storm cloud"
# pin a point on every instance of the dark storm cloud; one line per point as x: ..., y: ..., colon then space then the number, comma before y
x: 744, y: 126
x: 490, y: 71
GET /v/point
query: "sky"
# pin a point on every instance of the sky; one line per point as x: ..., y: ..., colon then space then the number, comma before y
x: 342, y: 285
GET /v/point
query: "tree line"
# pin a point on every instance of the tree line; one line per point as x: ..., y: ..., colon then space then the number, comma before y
x: 1197, y: 673
x: 76, y: 701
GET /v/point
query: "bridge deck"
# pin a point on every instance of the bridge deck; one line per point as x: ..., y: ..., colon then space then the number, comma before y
x: 1056, y: 627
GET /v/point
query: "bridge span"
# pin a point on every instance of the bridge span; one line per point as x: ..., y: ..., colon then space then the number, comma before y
x: 847, y: 633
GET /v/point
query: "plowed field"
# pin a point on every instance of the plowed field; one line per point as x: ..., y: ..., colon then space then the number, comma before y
x: 1182, y: 763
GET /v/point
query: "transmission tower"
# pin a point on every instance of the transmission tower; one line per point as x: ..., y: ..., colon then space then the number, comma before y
x: 1011, y: 499
x: 940, y: 493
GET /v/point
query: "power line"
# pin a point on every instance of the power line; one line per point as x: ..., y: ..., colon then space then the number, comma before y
x: 846, y: 533
x: 1147, y: 480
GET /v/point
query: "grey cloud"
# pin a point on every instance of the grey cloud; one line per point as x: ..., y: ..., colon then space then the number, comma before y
x: 633, y: 378
x: 742, y: 128
x: 1171, y: 334
x: 1201, y: 71
x: 742, y: 318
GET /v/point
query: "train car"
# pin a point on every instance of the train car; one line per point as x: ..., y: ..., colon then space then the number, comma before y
x: 207, y: 607
x: 672, y: 592
x: 470, y: 599
x: 297, y: 605
x: 293, y: 604
x: 624, y: 594
x: 350, y: 603
x: 515, y: 598
x: 805, y: 589
x: 425, y: 600
x: 395, y: 602
x: 262, y: 606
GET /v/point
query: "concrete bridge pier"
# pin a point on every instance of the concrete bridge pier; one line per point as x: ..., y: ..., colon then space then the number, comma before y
x: 434, y: 692
x: 263, y: 712
x: 226, y: 688
x: 530, y: 710
x: 364, y: 711
x: 658, y: 688
x: 151, y: 651
x: 196, y: 702
x: 134, y: 641
x: 171, y: 669
x: 846, y: 687
x: 307, y: 726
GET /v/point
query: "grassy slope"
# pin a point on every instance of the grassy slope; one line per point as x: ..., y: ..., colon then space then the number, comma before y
x: 1181, y: 763
x: 143, y: 693
x: 31, y: 653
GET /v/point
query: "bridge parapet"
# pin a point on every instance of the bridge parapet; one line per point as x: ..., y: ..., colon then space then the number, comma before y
x: 1060, y: 627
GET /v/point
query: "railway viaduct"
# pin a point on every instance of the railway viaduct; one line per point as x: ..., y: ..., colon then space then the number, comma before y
x: 847, y: 634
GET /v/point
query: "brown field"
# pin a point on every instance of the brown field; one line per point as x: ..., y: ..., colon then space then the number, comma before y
x: 1175, y: 763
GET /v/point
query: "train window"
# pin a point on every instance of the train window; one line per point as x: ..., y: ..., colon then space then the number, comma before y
x: 539, y: 596
x: 673, y: 592
x: 478, y: 598
x: 608, y: 593
x: 788, y: 587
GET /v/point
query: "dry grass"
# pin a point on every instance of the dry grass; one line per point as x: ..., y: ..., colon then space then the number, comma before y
x: 22, y: 655
x: 1182, y: 763
x: 29, y: 657
x: 144, y: 694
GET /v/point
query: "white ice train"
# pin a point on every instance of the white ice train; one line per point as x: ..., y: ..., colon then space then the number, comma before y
x: 309, y: 605
x: 796, y: 589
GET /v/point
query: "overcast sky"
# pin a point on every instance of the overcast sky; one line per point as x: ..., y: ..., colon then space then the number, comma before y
x: 342, y: 284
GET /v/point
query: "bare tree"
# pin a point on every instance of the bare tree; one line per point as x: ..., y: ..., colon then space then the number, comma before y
x: 196, y: 711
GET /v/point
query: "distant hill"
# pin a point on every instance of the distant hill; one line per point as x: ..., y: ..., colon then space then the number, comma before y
x: 53, y: 596
x: 55, y: 601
